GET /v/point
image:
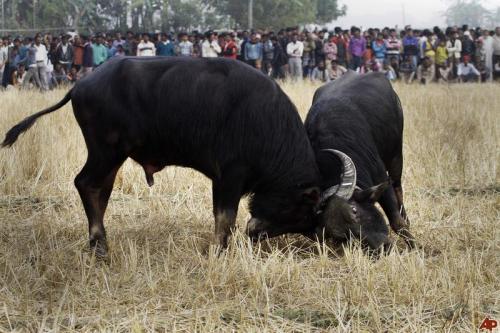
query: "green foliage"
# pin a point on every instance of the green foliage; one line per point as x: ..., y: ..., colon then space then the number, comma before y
x: 150, y: 15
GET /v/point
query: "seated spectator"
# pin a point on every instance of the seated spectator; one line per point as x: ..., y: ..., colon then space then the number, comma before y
x: 59, y: 74
x: 467, y: 72
x: 337, y: 70
x: 120, y: 51
x: 406, y: 71
x: 389, y: 72
x: 72, y: 76
x: 18, y: 76
x: 426, y: 72
x: 484, y: 72
x: 496, y: 69
x: 320, y: 73
x: 330, y: 50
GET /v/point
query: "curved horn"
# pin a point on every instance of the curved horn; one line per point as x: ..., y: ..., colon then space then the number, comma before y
x: 348, y: 180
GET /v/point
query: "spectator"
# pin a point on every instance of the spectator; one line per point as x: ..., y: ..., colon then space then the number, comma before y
x: 320, y: 73
x: 10, y: 64
x: 426, y: 72
x: 99, y: 51
x: 41, y: 60
x: 267, y: 54
x: 295, y: 50
x: 230, y: 49
x: 410, y: 49
x: 120, y: 51
x: 88, y: 57
x: 185, y: 47
x: 146, y: 48
x: 330, y: 50
x: 407, y: 71
x: 496, y: 50
x: 64, y: 53
x: 336, y: 70
x: 280, y: 60
x: 379, y: 49
x: 468, y: 47
x: 357, y: 48
x: 393, y: 46
x: 389, y: 72
x: 165, y: 47
x: 18, y: 76
x: 210, y: 48
x: 253, y: 51
x: 78, y: 50
x: 72, y: 76
x: 454, y: 46
x: 467, y: 72
x: 3, y: 57
x: 308, y: 56
x: 59, y: 74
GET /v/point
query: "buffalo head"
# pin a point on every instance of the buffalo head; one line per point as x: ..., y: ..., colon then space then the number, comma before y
x: 347, y: 211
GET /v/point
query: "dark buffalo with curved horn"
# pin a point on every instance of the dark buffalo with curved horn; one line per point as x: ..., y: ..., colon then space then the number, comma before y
x: 356, y: 129
x: 220, y: 117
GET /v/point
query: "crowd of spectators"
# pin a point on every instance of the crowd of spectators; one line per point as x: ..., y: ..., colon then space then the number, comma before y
x: 457, y: 54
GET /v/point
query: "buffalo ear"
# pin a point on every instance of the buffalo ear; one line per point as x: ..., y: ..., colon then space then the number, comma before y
x: 371, y: 194
x: 311, y: 195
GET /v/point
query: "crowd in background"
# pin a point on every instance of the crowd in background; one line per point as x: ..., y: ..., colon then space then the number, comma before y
x: 456, y: 54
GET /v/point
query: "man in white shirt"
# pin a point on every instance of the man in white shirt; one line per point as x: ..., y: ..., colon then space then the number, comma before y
x: 295, y: 50
x: 466, y: 72
x: 41, y: 60
x: 3, y: 57
x: 210, y: 48
x: 145, y: 47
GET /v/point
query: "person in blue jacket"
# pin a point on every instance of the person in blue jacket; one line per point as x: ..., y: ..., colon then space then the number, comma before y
x: 165, y: 47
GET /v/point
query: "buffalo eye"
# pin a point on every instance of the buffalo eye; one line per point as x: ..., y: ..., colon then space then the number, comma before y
x: 354, y: 210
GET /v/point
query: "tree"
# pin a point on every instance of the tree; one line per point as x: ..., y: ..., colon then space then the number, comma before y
x: 470, y: 12
x: 328, y: 11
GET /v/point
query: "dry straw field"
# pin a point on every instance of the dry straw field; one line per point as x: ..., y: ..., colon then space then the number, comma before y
x: 164, y: 276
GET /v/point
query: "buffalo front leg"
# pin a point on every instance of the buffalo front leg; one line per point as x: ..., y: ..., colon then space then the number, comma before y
x: 389, y: 204
x: 226, y: 194
x: 94, y: 184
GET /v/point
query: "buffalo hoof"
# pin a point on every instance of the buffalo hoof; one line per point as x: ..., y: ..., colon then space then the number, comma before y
x: 100, y: 249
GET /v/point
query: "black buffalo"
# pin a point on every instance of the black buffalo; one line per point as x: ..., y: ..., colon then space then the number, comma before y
x: 220, y: 117
x: 358, y: 121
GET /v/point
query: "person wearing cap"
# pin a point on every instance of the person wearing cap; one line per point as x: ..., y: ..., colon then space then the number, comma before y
x: 467, y: 72
x: 295, y: 50
x: 210, y: 47
x: 253, y: 51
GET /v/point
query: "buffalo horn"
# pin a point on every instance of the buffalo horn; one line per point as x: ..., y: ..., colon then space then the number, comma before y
x: 348, y: 180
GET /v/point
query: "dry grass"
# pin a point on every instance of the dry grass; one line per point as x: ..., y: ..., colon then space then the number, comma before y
x: 164, y: 276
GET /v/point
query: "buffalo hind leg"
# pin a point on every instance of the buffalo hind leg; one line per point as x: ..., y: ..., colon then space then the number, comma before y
x: 226, y: 194
x: 389, y: 204
x: 94, y: 184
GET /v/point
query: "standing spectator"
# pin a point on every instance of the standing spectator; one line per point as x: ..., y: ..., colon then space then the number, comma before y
x: 441, y: 60
x: 88, y: 57
x: 466, y: 72
x: 426, y: 72
x: 78, y: 49
x: 146, y: 48
x: 253, y: 51
x: 496, y: 50
x: 10, y: 64
x: 99, y: 52
x: 468, y: 47
x: 320, y: 43
x: 267, y: 54
x: 330, y: 50
x: 407, y: 71
x: 410, y: 48
x: 280, y: 59
x: 210, y: 47
x: 295, y: 50
x: 379, y: 49
x: 3, y: 57
x: 393, y: 46
x: 308, y: 56
x: 230, y: 49
x: 185, y: 47
x: 241, y: 46
x: 165, y: 46
x: 64, y: 53
x: 357, y: 48
x: 41, y: 60
x: 454, y: 46
x: 118, y: 41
